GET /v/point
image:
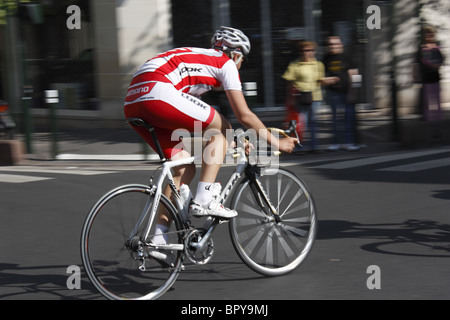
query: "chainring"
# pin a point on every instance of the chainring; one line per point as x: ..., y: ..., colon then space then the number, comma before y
x: 193, y: 252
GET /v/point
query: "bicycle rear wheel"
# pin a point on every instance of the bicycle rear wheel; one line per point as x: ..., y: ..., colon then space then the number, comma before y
x: 113, y: 252
x: 268, y: 246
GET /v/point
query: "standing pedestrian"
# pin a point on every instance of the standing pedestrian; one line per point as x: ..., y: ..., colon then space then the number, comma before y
x: 339, y: 73
x: 304, y: 76
x: 430, y: 59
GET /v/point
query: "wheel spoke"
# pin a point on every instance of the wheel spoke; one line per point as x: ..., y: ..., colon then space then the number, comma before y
x: 255, y: 239
x: 303, y: 206
x: 287, y: 187
x: 248, y: 223
x: 297, y: 195
x: 298, y: 231
x: 267, y: 250
x: 252, y: 210
x: 284, y: 245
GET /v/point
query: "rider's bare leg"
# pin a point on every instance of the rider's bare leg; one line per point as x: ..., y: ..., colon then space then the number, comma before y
x: 181, y: 174
x: 215, y: 148
x: 213, y: 156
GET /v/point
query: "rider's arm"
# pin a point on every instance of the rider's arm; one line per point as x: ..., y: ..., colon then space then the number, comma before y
x: 249, y: 120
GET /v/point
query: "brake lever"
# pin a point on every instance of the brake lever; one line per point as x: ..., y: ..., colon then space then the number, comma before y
x: 293, y: 127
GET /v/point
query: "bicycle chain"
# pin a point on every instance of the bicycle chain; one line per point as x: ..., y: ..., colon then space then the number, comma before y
x: 187, y: 230
x: 175, y: 232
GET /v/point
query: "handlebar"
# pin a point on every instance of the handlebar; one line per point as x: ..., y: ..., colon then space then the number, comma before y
x: 292, y: 129
x: 288, y: 132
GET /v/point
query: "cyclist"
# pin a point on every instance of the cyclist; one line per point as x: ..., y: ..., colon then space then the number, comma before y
x: 164, y: 92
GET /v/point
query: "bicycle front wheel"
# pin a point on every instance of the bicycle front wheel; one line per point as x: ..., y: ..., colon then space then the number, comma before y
x: 270, y: 246
x: 112, y: 249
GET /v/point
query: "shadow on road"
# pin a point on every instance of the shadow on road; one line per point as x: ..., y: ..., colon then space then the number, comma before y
x: 45, y: 282
x: 413, y: 237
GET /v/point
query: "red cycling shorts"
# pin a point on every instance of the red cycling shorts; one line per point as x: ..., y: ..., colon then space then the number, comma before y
x: 152, y: 98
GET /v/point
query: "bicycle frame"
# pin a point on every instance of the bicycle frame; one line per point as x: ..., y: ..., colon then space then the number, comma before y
x: 166, y: 173
x: 167, y: 166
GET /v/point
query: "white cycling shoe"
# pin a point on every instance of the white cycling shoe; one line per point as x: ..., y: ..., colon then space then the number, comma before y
x: 214, y: 208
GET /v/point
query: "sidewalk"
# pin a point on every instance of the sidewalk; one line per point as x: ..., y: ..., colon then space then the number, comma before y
x: 376, y: 134
x: 91, y: 144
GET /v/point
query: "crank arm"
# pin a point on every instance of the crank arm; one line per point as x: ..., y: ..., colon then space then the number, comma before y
x: 176, y: 246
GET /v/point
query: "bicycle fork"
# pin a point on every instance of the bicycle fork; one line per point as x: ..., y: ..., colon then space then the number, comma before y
x: 260, y: 194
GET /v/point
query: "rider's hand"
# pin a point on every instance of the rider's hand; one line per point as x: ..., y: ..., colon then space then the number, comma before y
x: 248, y: 147
x: 287, y: 145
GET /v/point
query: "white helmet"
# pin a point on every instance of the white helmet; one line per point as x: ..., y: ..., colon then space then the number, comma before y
x: 227, y: 38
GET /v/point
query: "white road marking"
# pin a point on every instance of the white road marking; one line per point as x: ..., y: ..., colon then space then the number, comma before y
x: 376, y: 160
x: 74, y: 171
x: 418, y: 166
x: 13, y: 178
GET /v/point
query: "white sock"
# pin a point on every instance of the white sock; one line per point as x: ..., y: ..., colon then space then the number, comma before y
x: 161, y: 236
x: 204, y: 193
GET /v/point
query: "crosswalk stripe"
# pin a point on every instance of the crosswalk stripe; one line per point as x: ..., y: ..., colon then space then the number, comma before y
x: 13, y: 178
x: 376, y: 160
x: 339, y: 164
x: 420, y: 165
x: 74, y: 171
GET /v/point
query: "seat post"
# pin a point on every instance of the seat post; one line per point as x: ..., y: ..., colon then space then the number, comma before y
x: 138, y: 122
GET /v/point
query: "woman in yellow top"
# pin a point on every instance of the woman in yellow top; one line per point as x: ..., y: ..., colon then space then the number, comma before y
x: 305, y: 77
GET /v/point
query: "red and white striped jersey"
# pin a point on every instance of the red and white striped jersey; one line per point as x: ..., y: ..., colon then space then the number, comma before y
x: 194, y: 70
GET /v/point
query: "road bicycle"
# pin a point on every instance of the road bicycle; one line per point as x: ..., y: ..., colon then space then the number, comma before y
x: 272, y: 234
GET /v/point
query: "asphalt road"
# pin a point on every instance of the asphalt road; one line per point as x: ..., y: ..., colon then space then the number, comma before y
x: 384, y: 231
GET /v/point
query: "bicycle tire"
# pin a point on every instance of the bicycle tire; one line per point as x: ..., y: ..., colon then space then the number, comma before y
x: 268, y: 247
x: 110, y: 263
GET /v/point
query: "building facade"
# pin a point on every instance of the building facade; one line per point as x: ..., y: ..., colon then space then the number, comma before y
x: 89, y: 55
